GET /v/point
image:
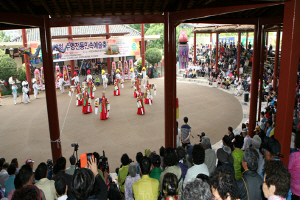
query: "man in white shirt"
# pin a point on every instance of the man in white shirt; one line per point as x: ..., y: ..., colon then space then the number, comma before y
x: 44, y: 184
x: 247, y: 140
x: 198, y: 156
x: 3, y: 174
x: 72, y: 168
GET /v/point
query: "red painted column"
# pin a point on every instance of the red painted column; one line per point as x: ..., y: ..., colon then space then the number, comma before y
x: 267, y: 43
x: 217, y: 51
x: 288, y: 76
x: 170, y: 81
x: 143, y: 44
x: 261, y: 70
x: 247, y: 40
x: 51, y: 101
x: 27, y: 62
x: 72, y: 62
x: 108, y: 59
x: 255, y: 75
x: 195, y: 47
x: 276, y: 60
x: 238, y: 55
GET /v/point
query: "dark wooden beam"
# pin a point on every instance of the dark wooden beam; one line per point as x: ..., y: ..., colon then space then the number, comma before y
x: 123, y: 7
x: 220, y: 20
x: 106, y: 20
x: 69, y: 7
x: 113, y: 7
x: 81, y: 8
x: 180, y: 4
x: 21, y: 19
x: 92, y: 7
x: 102, y: 7
x: 154, y: 6
x: 89, y: 35
x: 31, y: 7
x: 144, y: 7
x: 188, y: 4
x: 10, y: 26
x: 5, y: 5
x: 57, y: 8
x: 180, y: 16
x: 164, y: 5
x: 133, y: 7
x: 15, y: 5
x: 46, y: 6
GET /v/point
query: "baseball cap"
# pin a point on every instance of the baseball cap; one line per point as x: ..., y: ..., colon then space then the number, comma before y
x: 273, y: 146
x: 29, y: 161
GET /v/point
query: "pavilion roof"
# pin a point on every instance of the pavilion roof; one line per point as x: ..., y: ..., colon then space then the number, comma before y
x: 225, y: 28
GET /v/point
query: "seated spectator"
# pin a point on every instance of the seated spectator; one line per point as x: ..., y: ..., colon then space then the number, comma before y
x: 156, y: 170
x: 3, y: 174
x: 225, y: 158
x: 239, y: 89
x: 99, y: 165
x: 61, y: 188
x: 227, y: 142
x: 123, y: 171
x: 162, y: 154
x: 88, y: 184
x: 256, y: 142
x: 146, y: 188
x: 203, y: 177
x: 61, y: 168
x: 16, y: 163
x: 276, y: 182
x: 230, y: 133
x: 269, y: 128
x: 249, y: 186
x: 237, y: 155
x: 294, y: 168
x: 9, y: 182
x: 138, y: 157
x: 43, y: 183
x: 199, y: 166
x: 97, y: 81
x: 28, y: 192
x: 170, y: 190
x: 196, y: 189
x: 30, y: 162
x: 261, y: 132
x: 210, y: 155
x: 18, y: 185
x: 181, y: 155
x: 247, y: 140
x: 70, y: 170
x: 223, y: 184
x: 171, y: 167
x: 133, y: 177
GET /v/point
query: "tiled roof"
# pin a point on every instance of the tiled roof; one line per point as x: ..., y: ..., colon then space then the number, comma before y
x: 33, y: 35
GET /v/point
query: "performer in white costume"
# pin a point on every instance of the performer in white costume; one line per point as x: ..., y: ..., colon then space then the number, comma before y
x: 25, y: 91
x: 14, y: 92
x: 35, y: 89
x: 61, y: 83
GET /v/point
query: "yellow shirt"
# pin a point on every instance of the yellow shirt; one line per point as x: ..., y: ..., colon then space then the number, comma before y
x: 123, y: 172
x: 146, y: 188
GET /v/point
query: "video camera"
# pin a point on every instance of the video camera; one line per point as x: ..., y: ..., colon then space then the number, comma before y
x: 75, y: 145
x: 104, y: 162
x: 50, y: 168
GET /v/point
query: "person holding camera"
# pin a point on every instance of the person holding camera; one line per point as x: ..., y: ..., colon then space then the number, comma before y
x: 185, y: 133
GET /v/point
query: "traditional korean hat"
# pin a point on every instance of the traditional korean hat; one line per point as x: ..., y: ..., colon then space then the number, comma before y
x: 88, y: 72
x: 60, y: 75
x: 75, y: 73
x: 103, y: 71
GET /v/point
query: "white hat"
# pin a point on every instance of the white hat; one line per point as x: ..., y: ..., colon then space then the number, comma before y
x: 247, y: 122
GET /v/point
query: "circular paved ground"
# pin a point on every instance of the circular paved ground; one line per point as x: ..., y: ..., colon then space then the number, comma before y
x: 25, y: 133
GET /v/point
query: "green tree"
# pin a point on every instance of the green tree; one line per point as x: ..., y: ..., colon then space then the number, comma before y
x: 21, y: 73
x: 138, y: 27
x: 8, y: 68
x: 153, y: 56
x: 3, y: 37
x: 156, y: 29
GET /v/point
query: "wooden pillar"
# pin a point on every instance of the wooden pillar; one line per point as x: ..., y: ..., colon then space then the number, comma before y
x: 247, y: 33
x: 108, y: 59
x: 238, y: 55
x: 217, y: 51
x: 195, y: 47
x: 288, y: 76
x: 255, y: 75
x: 143, y: 44
x: 276, y: 60
x: 27, y: 62
x: 72, y: 62
x: 267, y: 43
x: 261, y: 70
x: 51, y: 101
x: 170, y: 80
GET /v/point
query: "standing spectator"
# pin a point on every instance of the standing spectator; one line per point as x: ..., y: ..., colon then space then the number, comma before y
x: 247, y: 139
x: 170, y: 190
x: 83, y: 72
x: 181, y: 155
x: 196, y: 189
x: 123, y: 172
x: 256, y: 142
x: 262, y: 116
x: 185, y: 133
x: 30, y: 162
x: 249, y: 186
x: 230, y: 133
x: 162, y: 154
x: 156, y: 170
x: 18, y: 185
x: 294, y: 168
x: 223, y: 184
x: 16, y: 163
x: 97, y: 81
x: 237, y: 155
x: 276, y: 182
x: 138, y: 157
x: 133, y: 177
x: 3, y: 174
x: 9, y: 183
x: 43, y: 183
x: 199, y: 166
x: 269, y: 128
x: 61, y: 188
x: 210, y: 155
x: 70, y: 170
x: 146, y: 188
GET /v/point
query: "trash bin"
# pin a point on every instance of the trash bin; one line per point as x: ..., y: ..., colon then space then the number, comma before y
x: 246, y: 97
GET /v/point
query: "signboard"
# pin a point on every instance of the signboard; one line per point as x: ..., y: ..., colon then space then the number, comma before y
x: 95, y: 48
x: 228, y: 40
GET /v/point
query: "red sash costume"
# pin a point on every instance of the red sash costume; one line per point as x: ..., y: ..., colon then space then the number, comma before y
x: 90, y: 89
x: 104, y: 108
x: 140, y: 103
x: 116, y: 88
x: 86, y: 108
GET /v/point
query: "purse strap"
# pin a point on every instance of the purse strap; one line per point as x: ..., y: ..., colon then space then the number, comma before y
x: 246, y: 188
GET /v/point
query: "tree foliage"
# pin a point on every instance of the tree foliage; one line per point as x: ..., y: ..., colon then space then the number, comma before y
x: 138, y: 27
x: 8, y: 68
x: 3, y: 36
x: 153, y: 56
x: 139, y: 64
x: 21, y: 73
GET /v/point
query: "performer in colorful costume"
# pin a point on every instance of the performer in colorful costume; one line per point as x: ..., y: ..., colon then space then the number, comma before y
x: 89, y: 76
x: 140, y: 104
x: 76, y: 79
x: 91, y: 89
x: 57, y: 69
x: 132, y: 77
x: 86, y: 107
x: 149, y: 97
x: 61, y: 83
x: 104, y: 79
x: 35, y: 88
x: 42, y: 79
x: 125, y: 70
x: 136, y: 87
x: 25, y: 93
x: 66, y: 76
x: 37, y: 77
x: 144, y: 72
x: 14, y: 92
x: 116, y: 88
x: 79, y: 94
x: 104, y: 107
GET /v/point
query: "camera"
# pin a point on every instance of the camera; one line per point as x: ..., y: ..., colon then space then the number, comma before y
x: 50, y: 168
x: 75, y: 145
x: 104, y: 162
